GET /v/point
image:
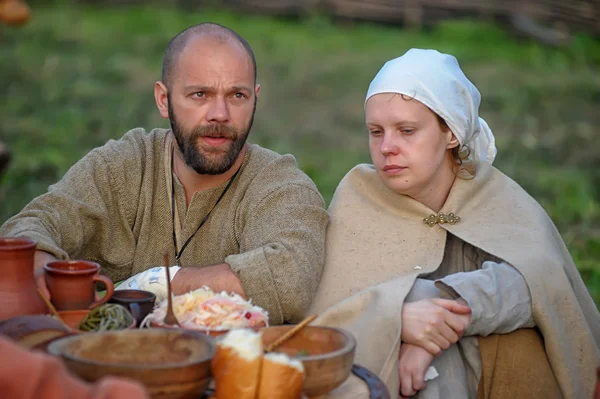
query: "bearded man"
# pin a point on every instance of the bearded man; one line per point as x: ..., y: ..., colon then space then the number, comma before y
x: 233, y: 216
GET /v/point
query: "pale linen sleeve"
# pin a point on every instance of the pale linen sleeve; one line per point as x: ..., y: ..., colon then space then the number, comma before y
x: 82, y: 215
x: 497, y: 294
x: 282, y: 249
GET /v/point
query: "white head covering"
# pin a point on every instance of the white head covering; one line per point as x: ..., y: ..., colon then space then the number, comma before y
x: 436, y: 80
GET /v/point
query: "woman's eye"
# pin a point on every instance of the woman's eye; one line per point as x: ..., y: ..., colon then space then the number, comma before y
x: 407, y: 131
x: 375, y: 132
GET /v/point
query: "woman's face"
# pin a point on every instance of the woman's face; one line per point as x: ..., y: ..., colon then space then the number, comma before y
x: 409, y: 148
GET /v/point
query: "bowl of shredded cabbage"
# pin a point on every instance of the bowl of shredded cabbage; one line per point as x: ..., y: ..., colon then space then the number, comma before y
x: 214, y: 313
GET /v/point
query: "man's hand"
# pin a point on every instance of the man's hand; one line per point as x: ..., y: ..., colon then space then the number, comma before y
x: 412, y: 365
x: 218, y: 277
x: 39, y: 260
x: 434, y: 324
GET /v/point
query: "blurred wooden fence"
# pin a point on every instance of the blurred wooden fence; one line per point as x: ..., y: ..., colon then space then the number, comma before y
x: 569, y: 15
x: 577, y: 14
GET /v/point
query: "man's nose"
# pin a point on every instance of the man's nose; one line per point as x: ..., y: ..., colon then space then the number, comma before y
x: 218, y: 111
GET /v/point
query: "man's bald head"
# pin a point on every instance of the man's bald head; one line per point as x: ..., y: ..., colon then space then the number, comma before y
x: 206, y: 29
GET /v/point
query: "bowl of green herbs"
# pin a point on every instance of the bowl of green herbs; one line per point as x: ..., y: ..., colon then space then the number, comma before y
x: 107, y: 317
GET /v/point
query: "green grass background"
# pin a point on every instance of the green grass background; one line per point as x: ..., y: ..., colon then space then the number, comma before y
x: 76, y: 76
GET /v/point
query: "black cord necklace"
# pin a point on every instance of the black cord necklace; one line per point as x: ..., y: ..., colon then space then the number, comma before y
x: 178, y: 254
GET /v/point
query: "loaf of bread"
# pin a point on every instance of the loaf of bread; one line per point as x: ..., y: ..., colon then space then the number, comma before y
x: 241, y: 370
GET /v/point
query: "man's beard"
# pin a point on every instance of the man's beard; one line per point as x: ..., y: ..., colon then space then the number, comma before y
x: 195, y: 157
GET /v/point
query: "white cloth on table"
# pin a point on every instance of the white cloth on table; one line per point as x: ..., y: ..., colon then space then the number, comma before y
x: 153, y: 280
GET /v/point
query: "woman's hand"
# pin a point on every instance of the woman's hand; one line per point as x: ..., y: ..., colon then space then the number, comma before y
x: 412, y: 365
x: 434, y: 324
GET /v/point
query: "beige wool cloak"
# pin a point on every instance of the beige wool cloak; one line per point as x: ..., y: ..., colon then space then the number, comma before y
x: 378, y: 244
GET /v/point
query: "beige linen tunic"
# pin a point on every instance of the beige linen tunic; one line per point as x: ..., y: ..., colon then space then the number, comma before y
x: 113, y: 207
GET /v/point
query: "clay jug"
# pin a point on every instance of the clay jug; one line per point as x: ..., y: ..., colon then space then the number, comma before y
x: 18, y: 290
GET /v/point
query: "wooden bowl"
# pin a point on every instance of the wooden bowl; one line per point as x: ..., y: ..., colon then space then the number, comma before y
x: 33, y: 331
x: 172, y: 364
x: 330, y: 355
x: 72, y: 318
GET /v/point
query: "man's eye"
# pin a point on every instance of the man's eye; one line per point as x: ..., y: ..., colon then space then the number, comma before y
x: 239, y: 95
x: 407, y: 131
x: 375, y: 132
x: 199, y: 94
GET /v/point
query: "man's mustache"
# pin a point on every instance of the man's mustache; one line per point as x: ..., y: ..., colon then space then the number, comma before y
x: 217, y: 131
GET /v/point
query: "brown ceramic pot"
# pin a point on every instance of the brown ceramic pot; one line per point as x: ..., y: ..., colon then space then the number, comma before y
x: 18, y: 290
x: 138, y: 302
x: 71, y: 284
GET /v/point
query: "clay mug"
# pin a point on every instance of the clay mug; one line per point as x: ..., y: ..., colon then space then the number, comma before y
x: 71, y: 284
x: 140, y: 303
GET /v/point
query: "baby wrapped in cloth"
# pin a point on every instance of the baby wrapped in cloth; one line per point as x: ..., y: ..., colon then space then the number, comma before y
x: 153, y: 280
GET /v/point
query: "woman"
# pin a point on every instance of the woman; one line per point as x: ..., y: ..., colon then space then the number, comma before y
x: 440, y: 264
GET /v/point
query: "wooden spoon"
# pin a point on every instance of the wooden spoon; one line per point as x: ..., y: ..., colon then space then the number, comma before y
x: 170, y: 317
x: 53, y: 310
x: 290, y: 333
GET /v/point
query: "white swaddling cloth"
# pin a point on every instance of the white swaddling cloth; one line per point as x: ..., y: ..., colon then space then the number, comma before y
x: 153, y: 280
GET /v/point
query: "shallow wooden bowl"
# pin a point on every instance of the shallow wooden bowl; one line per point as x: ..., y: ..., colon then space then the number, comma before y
x: 330, y: 355
x: 33, y: 331
x: 170, y: 363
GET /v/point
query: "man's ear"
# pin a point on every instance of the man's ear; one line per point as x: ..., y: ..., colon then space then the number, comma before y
x: 162, y: 99
x: 256, y: 90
